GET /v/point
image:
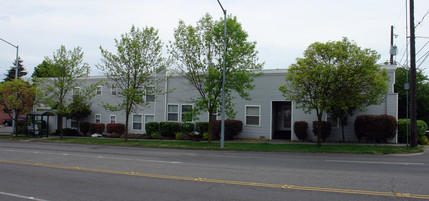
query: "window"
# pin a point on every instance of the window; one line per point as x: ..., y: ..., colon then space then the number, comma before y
x: 332, y: 120
x: 150, y: 98
x: 112, y: 119
x: 98, y: 90
x: 173, y: 113
x: 253, y: 115
x: 98, y: 118
x: 186, y: 113
x: 137, y: 122
x: 113, y: 91
x: 149, y: 118
x: 75, y: 91
x: 73, y: 122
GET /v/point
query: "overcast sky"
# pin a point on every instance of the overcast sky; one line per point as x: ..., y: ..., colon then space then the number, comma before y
x: 283, y: 29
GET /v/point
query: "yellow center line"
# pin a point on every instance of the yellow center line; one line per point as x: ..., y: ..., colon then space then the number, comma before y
x: 230, y: 182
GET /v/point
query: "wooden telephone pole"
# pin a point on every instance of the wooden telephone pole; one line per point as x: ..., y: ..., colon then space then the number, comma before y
x: 413, y: 98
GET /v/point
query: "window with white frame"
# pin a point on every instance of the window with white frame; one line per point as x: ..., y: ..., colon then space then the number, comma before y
x: 253, y: 115
x: 149, y: 118
x: 98, y: 90
x: 98, y: 118
x: 186, y: 113
x: 73, y: 123
x: 112, y: 119
x: 332, y: 120
x: 137, y: 122
x: 150, y: 98
x: 113, y: 91
x: 173, y: 113
x: 75, y: 90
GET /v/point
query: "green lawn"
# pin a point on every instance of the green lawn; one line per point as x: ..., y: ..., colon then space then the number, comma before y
x: 236, y: 146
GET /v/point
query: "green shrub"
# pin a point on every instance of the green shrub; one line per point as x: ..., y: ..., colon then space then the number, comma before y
x: 300, y: 129
x: 187, y: 128
x: 202, y: 127
x: 84, y: 127
x: 151, y: 127
x: 205, y: 136
x: 326, y: 129
x: 423, y: 140
x: 115, y: 128
x: 133, y: 136
x: 180, y: 136
x: 70, y: 132
x: 232, y: 128
x: 169, y: 129
x: 154, y: 135
x: 402, y: 130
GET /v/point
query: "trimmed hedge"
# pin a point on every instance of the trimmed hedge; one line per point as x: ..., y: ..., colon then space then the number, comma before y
x: 187, y: 127
x: 202, y: 127
x: 118, y: 128
x: 151, y: 127
x: 84, y: 127
x: 68, y: 132
x: 402, y: 130
x: 96, y: 128
x: 169, y: 129
x: 300, y: 129
x: 326, y: 129
x: 375, y: 127
x: 232, y: 128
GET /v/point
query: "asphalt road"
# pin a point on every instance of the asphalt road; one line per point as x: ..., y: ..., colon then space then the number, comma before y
x: 51, y: 171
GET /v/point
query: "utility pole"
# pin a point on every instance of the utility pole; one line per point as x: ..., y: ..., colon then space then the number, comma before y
x: 393, y: 48
x: 413, y: 98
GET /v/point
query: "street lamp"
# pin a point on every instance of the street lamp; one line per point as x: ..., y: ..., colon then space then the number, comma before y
x: 16, y: 77
x: 222, y: 125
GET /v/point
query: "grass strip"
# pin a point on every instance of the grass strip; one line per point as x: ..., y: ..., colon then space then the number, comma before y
x: 235, y: 146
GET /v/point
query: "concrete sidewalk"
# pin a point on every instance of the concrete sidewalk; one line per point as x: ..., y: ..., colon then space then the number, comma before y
x: 5, y: 129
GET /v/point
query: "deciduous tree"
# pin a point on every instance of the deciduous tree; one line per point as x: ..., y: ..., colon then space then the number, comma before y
x: 337, y: 77
x: 17, y: 95
x: 198, y: 52
x: 137, y: 69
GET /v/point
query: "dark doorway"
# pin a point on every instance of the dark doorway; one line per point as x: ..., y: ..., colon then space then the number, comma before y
x: 282, y: 120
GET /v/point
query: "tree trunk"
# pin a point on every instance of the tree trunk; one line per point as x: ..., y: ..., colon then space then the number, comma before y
x: 342, y: 131
x: 60, y: 124
x: 16, y: 124
x: 209, y: 132
x: 126, y: 125
x: 319, y: 130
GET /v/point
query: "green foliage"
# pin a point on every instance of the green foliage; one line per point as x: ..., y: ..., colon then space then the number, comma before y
x: 155, y: 135
x: 115, y: 128
x: 17, y: 95
x: 151, y: 127
x: 44, y: 69
x: 375, y: 127
x: 80, y: 107
x: 198, y: 51
x: 180, y: 136
x: 133, y: 68
x: 326, y: 129
x: 84, y: 127
x: 300, y: 129
x: 423, y: 140
x: 205, y: 136
x: 232, y: 128
x: 187, y: 127
x: 169, y: 129
x: 402, y: 130
x: 65, y: 67
x: 422, y: 93
x: 337, y: 77
x: 10, y: 75
x: 202, y: 127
